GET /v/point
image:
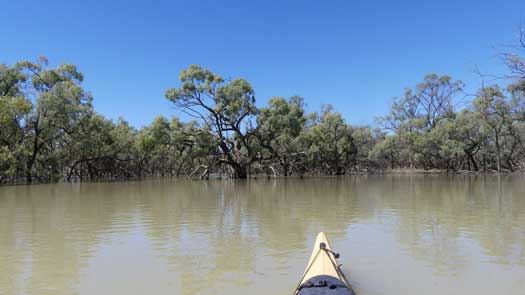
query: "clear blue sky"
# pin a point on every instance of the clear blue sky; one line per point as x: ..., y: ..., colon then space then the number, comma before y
x: 353, y: 54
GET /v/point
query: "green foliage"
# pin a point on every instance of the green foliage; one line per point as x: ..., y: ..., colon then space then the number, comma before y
x: 50, y: 131
x: 330, y: 143
x: 7, y: 164
x: 387, y: 152
x: 423, y: 107
x: 279, y: 127
x: 500, y: 116
x: 225, y: 109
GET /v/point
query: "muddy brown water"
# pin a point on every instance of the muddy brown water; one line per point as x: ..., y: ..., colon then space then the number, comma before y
x: 397, y: 234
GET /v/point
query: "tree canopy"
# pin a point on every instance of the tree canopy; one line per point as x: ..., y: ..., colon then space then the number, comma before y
x: 50, y: 130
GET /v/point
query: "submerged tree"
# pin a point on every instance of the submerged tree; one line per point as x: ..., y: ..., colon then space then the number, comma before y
x: 14, y: 108
x: 472, y: 135
x: 331, y: 145
x: 58, y: 104
x: 226, y: 109
x: 40, y: 108
x: 414, y: 117
x: 501, y: 115
x: 49, y: 130
x: 279, y: 126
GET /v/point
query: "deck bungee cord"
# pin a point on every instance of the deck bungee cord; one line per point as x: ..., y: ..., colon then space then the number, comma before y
x: 323, y: 276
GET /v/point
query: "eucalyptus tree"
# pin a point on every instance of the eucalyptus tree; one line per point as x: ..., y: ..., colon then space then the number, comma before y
x: 124, y: 149
x: 420, y: 110
x: 436, y: 96
x: 92, y: 149
x: 14, y: 107
x: 365, y: 138
x: 172, y: 147
x: 279, y: 126
x: 153, y: 143
x: 388, y: 152
x: 225, y: 108
x: 514, y: 59
x: 192, y: 146
x: 331, y: 147
x: 495, y: 111
x: 473, y: 136
x: 58, y: 102
x: 104, y: 149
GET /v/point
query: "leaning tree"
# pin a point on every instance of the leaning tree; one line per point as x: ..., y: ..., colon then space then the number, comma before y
x: 225, y: 109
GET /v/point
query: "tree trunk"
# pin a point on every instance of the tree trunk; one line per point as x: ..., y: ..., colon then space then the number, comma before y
x: 472, y: 161
x: 240, y: 171
x: 498, y: 152
x: 29, y: 176
x: 31, y: 162
x: 285, y: 166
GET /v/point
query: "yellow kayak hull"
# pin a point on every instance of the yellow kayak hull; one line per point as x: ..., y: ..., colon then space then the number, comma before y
x: 323, y: 274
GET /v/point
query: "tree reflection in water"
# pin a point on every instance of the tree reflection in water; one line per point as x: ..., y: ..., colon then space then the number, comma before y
x: 397, y: 234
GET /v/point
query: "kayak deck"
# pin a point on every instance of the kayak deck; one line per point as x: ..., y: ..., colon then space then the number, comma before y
x: 324, y: 285
x: 323, y: 274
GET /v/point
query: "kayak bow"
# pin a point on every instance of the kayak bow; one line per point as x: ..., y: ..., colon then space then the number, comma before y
x: 323, y: 275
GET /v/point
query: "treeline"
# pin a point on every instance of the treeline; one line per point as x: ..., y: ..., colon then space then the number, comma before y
x: 50, y: 131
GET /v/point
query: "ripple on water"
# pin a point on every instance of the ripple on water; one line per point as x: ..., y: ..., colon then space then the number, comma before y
x: 396, y: 235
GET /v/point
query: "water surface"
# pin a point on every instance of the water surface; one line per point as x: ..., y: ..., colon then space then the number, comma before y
x: 396, y: 235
